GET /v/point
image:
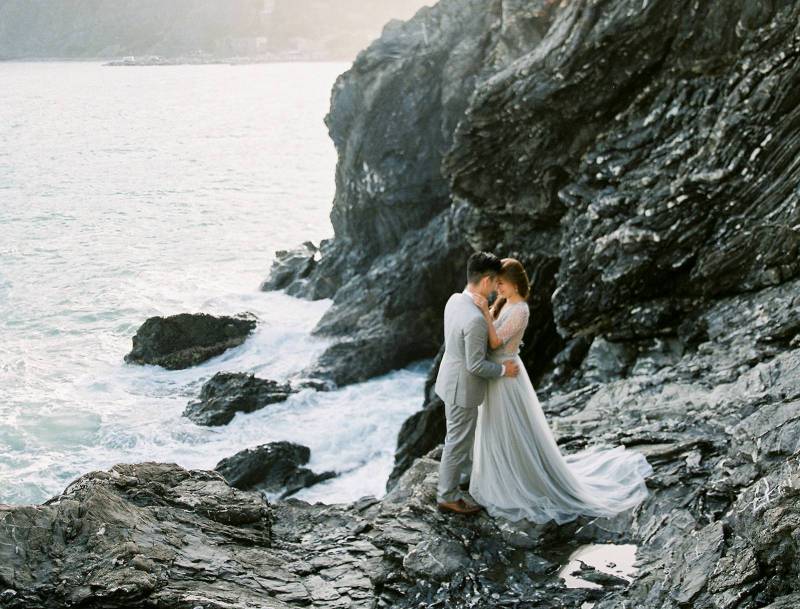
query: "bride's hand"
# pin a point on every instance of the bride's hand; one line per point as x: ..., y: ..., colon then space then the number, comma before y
x: 483, y: 303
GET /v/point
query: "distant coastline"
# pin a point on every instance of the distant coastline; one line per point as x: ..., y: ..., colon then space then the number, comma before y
x: 156, y: 60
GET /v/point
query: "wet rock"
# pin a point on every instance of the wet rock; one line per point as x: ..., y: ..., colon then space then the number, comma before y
x: 698, y: 555
x: 655, y: 222
x: 290, y: 268
x: 536, y: 565
x: 184, y: 340
x: 227, y: 393
x: 639, y: 158
x: 88, y: 544
x: 591, y: 574
x: 785, y: 602
x: 437, y: 559
x: 274, y: 468
x: 315, y: 384
x: 385, y: 320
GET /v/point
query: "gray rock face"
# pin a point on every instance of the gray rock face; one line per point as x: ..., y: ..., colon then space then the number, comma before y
x: 639, y: 177
x: 184, y: 340
x: 227, y: 393
x: 116, y: 537
x: 660, y: 140
x: 438, y: 560
x: 275, y: 468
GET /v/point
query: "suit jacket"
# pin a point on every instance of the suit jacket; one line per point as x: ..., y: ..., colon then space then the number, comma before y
x: 464, y: 369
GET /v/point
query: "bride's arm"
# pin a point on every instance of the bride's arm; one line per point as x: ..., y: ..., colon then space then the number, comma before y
x: 494, y: 340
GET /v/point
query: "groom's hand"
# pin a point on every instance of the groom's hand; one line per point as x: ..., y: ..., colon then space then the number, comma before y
x: 511, y: 367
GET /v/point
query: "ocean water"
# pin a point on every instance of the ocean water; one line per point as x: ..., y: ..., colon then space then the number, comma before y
x: 127, y: 192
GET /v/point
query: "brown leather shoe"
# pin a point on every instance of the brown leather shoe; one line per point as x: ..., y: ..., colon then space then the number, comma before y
x: 458, y: 507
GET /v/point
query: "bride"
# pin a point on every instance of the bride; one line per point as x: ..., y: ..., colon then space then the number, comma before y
x: 518, y: 470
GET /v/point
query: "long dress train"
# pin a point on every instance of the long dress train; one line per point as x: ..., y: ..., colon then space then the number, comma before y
x: 518, y: 470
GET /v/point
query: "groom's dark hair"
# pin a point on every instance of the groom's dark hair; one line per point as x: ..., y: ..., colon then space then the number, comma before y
x: 482, y: 263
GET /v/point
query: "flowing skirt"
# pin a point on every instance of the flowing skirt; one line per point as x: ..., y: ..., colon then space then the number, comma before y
x: 518, y: 470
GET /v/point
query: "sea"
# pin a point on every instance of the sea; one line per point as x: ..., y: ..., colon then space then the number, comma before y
x: 128, y: 192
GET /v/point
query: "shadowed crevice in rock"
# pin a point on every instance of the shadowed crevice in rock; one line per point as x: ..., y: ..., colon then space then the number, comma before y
x: 421, y: 432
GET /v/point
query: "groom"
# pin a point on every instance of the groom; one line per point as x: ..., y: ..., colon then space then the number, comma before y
x: 461, y: 382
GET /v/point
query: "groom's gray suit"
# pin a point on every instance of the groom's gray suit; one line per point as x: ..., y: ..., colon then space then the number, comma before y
x: 461, y: 384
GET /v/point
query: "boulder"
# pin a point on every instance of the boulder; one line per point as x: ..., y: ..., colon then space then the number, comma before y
x: 275, y: 468
x: 227, y: 393
x: 187, y: 339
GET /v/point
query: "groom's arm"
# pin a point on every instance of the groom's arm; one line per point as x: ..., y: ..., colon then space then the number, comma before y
x: 476, y: 336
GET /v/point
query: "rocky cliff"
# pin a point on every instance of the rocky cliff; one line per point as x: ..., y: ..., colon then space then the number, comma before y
x: 639, y: 159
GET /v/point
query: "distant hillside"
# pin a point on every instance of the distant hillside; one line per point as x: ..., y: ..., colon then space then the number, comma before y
x: 32, y: 29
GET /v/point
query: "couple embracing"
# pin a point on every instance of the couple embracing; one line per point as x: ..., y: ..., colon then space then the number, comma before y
x: 496, y: 424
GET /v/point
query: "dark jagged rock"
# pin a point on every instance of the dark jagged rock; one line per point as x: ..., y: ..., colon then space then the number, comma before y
x: 184, y: 340
x: 145, y: 531
x: 275, y: 468
x: 632, y: 174
x: 639, y: 158
x: 386, y: 319
x: 227, y: 393
x: 589, y: 573
x: 311, y: 383
x: 291, y: 268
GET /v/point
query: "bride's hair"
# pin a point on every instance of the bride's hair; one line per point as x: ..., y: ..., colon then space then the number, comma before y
x: 513, y: 271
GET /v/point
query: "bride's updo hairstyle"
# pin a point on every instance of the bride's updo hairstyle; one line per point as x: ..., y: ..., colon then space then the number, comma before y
x: 513, y: 272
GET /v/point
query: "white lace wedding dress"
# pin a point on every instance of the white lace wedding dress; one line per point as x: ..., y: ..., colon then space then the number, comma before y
x: 518, y: 470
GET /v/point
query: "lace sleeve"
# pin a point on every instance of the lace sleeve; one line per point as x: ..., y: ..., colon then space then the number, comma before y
x: 513, y: 324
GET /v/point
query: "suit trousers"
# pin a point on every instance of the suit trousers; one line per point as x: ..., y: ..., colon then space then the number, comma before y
x: 457, y: 453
